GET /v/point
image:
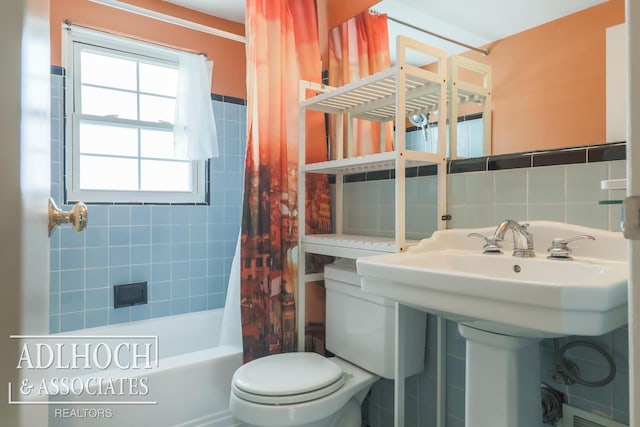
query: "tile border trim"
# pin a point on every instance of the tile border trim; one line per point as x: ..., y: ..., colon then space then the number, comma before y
x: 561, y: 156
x: 57, y: 70
x: 228, y: 99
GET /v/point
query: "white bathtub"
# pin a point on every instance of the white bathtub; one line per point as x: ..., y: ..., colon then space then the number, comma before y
x: 190, y: 384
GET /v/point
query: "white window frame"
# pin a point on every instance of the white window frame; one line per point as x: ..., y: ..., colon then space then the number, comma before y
x: 74, y: 40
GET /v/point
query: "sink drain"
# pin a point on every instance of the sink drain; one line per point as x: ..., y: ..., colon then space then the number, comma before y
x: 517, y: 268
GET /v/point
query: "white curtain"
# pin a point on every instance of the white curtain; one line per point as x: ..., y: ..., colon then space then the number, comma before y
x: 194, y: 128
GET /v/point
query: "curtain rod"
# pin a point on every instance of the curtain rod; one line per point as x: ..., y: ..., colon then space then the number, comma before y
x: 171, y: 19
x: 485, y: 52
x: 70, y: 25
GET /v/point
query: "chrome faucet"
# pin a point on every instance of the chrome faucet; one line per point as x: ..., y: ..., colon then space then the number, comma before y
x: 522, y: 239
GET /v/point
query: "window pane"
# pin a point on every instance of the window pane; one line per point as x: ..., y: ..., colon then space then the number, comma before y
x: 108, y: 173
x: 156, y: 143
x: 158, y: 79
x: 156, y: 108
x: 160, y: 175
x: 106, y: 102
x: 106, y: 70
x: 105, y: 139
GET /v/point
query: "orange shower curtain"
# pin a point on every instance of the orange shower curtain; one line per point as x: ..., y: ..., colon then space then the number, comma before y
x: 282, y: 48
x: 358, y: 48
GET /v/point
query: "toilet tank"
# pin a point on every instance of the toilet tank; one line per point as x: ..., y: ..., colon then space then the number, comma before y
x: 360, y: 327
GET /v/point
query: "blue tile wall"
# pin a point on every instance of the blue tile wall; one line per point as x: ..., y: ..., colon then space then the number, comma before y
x: 566, y: 192
x: 184, y: 253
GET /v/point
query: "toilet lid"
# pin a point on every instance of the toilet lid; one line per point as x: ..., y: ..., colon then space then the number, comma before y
x: 287, y: 378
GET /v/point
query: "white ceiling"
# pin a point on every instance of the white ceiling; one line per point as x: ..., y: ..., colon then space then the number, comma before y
x: 475, y: 22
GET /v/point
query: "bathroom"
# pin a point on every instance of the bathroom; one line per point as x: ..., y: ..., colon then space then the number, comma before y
x: 188, y: 265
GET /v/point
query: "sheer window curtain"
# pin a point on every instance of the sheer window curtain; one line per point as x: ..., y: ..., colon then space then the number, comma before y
x: 194, y: 128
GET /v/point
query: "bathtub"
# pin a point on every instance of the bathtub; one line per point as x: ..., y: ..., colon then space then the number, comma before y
x: 187, y: 382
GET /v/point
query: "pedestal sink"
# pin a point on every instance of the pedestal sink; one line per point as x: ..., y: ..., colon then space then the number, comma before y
x: 504, y: 305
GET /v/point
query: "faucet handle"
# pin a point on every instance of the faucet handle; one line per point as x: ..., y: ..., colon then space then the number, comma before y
x: 492, y: 244
x: 560, y: 247
x: 581, y: 236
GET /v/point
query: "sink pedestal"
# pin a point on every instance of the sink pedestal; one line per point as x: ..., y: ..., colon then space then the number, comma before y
x: 502, y: 380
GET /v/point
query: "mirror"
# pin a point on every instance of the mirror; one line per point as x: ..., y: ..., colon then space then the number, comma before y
x: 548, y: 62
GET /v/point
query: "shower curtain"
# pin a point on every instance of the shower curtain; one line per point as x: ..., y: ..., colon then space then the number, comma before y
x: 282, y: 48
x: 358, y: 48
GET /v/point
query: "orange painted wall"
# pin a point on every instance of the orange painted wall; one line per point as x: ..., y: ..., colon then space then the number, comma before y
x: 339, y: 11
x: 228, y: 56
x: 549, y: 82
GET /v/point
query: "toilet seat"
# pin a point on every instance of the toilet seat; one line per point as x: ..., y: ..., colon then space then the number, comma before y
x: 287, y: 378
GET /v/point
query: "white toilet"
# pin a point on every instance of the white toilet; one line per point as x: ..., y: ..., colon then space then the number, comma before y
x: 306, y: 389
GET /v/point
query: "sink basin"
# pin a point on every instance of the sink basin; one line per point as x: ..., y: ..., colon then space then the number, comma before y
x: 504, y: 305
x: 449, y: 276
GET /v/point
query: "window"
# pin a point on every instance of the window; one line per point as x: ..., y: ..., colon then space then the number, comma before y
x: 121, y: 98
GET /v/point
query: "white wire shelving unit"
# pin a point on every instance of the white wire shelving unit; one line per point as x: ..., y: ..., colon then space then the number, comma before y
x: 391, y: 95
